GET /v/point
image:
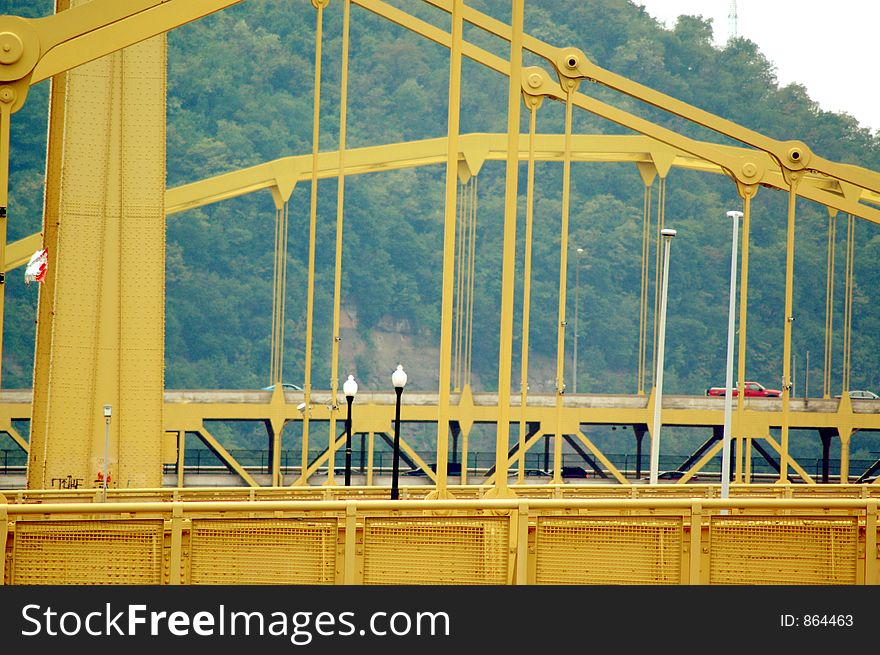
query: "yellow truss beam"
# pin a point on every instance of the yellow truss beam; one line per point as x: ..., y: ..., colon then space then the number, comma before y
x: 600, y: 456
x: 531, y: 441
x: 806, y: 477
x: 324, y: 458
x: 748, y: 170
x: 698, y: 466
x: 282, y: 175
x: 44, y: 47
x: 211, y: 441
x: 793, y: 155
x: 19, y: 252
x: 185, y: 410
x: 17, y: 438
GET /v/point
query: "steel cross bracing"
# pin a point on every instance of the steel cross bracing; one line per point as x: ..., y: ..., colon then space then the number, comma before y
x: 48, y: 47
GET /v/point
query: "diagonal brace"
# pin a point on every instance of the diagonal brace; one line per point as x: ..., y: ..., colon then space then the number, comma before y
x: 531, y: 440
x: 211, y: 442
x: 601, y: 457
x: 794, y: 465
x: 17, y: 438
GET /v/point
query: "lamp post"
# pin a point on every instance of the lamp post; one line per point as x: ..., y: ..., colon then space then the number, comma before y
x: 108, y: 410
x: 398, y: 379
x: 728, y: 384
x: 577, y: 270
x: 350, y: 389
x: 661, y: 343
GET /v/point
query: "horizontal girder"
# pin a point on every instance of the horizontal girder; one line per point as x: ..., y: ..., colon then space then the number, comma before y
x: 186, y: 409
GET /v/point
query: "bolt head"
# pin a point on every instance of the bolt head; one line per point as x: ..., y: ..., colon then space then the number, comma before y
x: 534, y: 80
x: 11, y: 48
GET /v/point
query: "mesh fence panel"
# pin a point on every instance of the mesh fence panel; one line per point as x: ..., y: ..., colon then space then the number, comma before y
x: 263, y: 551
x: 88, y: 552
x: 459, y: 550
x: 783, y: 550
x: 624, y: 550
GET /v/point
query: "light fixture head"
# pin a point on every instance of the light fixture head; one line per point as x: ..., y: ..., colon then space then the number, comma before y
x: 734, y: 214
x: 668, y: 232
x: 108, y: 410
x: 398, y: 378
x: 350, y: 387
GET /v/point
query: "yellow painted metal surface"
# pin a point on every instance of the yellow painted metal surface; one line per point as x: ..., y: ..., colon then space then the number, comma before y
x: 189, y: 410
x: 436, y: 550
x: 783, y: 550
x: 511, y: 194
x: 88, y: 552
x: 102, y: 343
x: 104, y: 324
x: 609, y: 550
x: 461, y: 492
x: 558, y: 541
x: 313, y: 209
x: 263, y: 551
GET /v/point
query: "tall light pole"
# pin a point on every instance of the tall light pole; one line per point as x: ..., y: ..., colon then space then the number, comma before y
x: 577, y: 295
x: 108, y: 410
x: 398, y: 379
x: 661, y: 343
x: 350, y: 389
x: 728, y: 384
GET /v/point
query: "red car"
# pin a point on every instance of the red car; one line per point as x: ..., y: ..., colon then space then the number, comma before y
x: 752, y: 389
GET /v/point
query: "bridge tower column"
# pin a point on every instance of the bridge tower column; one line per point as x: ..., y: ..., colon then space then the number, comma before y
x: 845, y: 436
x: 100, y: 332
x: 742, y: 467
x: 639, y: 431
x: 826, y: 434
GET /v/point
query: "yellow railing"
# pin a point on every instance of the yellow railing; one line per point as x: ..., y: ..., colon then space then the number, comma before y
x: 817, y: 541
x: 421, y: 492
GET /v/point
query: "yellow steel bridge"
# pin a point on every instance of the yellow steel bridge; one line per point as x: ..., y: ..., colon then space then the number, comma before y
x: 102, y: 344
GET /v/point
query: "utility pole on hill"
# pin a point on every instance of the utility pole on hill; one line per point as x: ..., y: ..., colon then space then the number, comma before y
x: 731, y: 22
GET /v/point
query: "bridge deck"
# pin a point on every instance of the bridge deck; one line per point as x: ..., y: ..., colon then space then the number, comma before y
x: 612, y: 409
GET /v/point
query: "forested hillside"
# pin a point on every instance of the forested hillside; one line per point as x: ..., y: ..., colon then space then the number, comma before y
x: 240, y: 93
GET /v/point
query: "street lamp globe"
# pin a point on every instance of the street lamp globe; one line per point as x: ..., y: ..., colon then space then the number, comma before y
x: 350, y: 387
x: 398, y: 378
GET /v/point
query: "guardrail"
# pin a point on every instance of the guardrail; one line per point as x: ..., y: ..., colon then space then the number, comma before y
x: 818, y: 541
x: 422, y: 492
x: 198, y: 461
x: 260, y: 460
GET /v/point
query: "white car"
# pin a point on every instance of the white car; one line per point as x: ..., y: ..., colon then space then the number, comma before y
x: 861, y: 394
x: 285, y: 386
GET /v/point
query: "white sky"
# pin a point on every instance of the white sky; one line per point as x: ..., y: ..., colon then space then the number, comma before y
x: 828, y: 46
